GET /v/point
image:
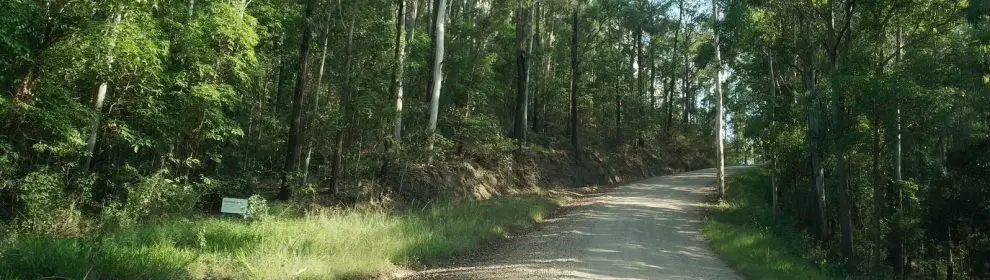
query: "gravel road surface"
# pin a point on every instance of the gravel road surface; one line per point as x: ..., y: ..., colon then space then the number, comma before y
x: 650, y: 229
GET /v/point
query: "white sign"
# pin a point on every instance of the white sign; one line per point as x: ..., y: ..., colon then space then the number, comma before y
x: 234, y: 206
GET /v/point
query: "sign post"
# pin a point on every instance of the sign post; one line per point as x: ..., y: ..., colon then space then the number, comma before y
x: 234, y: 206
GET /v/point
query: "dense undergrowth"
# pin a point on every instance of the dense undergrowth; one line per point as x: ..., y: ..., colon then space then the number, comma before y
x: 743, y: 231
x: 167, y: 229
x: 319, y: 244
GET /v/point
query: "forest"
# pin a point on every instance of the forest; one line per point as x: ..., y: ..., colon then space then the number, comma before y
x: 872, y: 118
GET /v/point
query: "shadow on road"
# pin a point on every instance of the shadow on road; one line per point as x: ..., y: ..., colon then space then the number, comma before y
x: 648, y: 229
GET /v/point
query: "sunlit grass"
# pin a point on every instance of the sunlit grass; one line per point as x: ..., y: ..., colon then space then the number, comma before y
x: 742, y: 231
x: 329, y: 244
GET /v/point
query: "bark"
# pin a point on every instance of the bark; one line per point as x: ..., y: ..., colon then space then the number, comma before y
x: 877, y: 182
x: 523, y: 48
x: 400, y: 45
x: 686, y: 79
x: 814, y: 129
x: 26, y: 84
x: 192, y: 6
x: 842, y: 162
x: 653, y: 73
x: 773, y: 143
x: 437, y: 82
x: 817, y: 169
x: 316, y: 98
x: 618, y: 90
x: 720, y: 160
x: 901, y: 264
x: 671, y: 79
x: 279, y: 77
x: 640, y: 69
x: 546, y: 77
x: 101, y: 94
x: 575, y: 79
x: 298, y: 100
x: 842, y: 174
x: 345, y: 111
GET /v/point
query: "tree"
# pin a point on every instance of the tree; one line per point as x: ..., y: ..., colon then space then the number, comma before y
x: 719, y: 152
x: 347, y: 90
x: 101, y: 91
x: 293, y: 148
x: 400, y: 64
x: 524, y: 46
x: 437, y: 81
x: 575, y: 80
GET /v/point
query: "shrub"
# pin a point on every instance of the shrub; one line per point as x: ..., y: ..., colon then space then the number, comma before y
x: 257, y: 208
x: 45, y: 205
x: 153, y: 197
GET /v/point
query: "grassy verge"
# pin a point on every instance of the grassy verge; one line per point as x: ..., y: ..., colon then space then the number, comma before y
x: 330, y: 244
x: 742, y: 231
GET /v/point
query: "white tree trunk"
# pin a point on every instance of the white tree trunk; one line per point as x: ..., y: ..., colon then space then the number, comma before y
x: 316, y: 95
x: 101, y: 94
x: 437, y: 71
x: 399, y: 67
x: 720, y: 153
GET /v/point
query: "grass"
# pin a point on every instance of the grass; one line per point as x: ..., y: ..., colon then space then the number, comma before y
x: 742, y: 231
x: 330, y: 244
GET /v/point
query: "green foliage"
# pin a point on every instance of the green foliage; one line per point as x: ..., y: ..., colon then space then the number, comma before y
x: 46, y: 207
x: 257, y: 208
x: 904, y: 77
x: 198, y: 98
x: 743, y: 231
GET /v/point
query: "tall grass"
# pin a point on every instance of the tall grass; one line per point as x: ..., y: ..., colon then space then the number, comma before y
x: 743, y: 232
x: 329, y: 244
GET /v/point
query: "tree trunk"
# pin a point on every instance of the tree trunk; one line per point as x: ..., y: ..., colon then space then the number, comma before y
x: 638, y: 52
x: 345, y: 111
x: 101, y: 94
x: 296, y: 118
x: 653, y: 74
x: 437, y: 72
x: 192, y: 6
x: 686, y: 80
x: 399, y: 71
x: 618, y: 106
x: 316, y: 98
x: 720, y: 158
x: 773, y: 143
x: 877, y: 182
x: 537, y: 51
x: 26, y: 84
x: 901, y: 264
x: 817, y: 169
x: 671, y: 78
x: 523, y: 48
x: 840, y: 128
x: 546, y: 77
x: 575, y: 79
x: 279, y: 80
x: 842, y: 174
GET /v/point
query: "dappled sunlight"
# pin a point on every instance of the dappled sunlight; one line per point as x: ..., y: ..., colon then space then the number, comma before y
x: 645, y: 230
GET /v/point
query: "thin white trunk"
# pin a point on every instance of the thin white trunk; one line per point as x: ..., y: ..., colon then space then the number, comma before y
x: 101, y: 93
x: 773, y: 146
x: 437, y: 71
x: 897, y: 171
x: 399, y: 67
x: 316, y: 95
x: 720, y: 173
x: 192, y: 5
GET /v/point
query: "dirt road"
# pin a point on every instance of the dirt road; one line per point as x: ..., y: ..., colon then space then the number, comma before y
x: 644, y: 230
